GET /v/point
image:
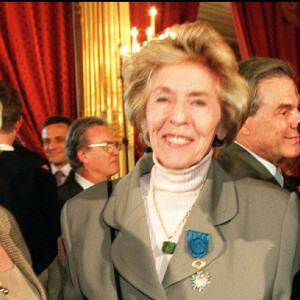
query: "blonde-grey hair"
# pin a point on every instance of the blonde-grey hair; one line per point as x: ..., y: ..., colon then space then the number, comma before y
x: 197, y: 42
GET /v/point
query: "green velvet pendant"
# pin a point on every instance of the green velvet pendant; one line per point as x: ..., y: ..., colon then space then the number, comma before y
x: 168, y: 247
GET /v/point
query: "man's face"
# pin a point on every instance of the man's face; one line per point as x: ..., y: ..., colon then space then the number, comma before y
x: 273, y: 129
x: 54, y: 139
x: 98, y: 163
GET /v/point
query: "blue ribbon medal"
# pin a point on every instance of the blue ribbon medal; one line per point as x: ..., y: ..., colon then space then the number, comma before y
x: 198, y: 245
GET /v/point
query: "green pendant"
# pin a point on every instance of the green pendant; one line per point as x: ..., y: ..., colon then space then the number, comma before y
x: 168, y: 247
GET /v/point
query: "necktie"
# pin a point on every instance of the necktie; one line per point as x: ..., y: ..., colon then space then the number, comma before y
x: 59, y: 175
x: 287, y: 183
x: 279, y: 177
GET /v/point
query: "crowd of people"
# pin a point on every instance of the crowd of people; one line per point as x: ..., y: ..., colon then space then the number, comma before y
x: 206, y: 212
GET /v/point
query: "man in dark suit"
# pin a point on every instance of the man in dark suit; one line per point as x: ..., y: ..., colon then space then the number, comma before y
x: 30, y: 156
x: 270, y: 133
x: 54, y: 132
x: 93, y: 155
x: 30, y: 189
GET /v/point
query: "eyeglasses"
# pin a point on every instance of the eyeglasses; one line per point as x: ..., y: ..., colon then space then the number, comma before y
x: 109, y: 147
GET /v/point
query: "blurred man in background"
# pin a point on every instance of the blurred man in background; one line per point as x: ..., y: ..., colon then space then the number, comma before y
x: 54, y: 134
x: 93, y: 155
x: 28, y: 191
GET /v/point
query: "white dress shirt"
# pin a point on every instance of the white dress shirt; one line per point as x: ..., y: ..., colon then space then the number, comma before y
x: 84, y: 183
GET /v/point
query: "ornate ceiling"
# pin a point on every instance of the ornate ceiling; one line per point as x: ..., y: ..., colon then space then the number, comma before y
x: 218, y: 15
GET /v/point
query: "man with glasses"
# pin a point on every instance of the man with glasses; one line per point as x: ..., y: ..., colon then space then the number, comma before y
x: 93, y: 155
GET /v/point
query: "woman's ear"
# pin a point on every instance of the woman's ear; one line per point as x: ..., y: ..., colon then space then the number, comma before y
x: 221, y: 132
x: 144, y: 126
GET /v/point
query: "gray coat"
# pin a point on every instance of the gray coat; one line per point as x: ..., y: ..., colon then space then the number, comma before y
x: 253, y: 229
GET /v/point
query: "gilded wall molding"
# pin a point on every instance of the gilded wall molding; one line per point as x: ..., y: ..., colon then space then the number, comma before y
x: 100, y: 29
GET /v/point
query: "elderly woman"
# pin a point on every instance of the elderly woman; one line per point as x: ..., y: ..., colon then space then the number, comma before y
x: 177, y: 226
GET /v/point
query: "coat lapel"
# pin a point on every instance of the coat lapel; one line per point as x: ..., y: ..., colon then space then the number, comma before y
x: 131, y: 251
x: 217, y: 204
x: 13, y: 243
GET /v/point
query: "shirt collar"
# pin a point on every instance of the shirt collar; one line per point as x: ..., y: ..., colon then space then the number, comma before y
x: 65, y: 169
x: 5, y: 147
x: 82, y: 181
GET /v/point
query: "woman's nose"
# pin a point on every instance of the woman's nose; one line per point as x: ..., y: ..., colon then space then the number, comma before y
x: 180, y: 114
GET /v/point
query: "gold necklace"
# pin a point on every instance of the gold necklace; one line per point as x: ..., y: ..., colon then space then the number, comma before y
x: 169, y: 247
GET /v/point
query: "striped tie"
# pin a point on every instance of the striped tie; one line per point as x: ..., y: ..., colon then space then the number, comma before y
x: 59, y: 175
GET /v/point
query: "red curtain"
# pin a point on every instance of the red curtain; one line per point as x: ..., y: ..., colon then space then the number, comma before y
x: 37, y: 59
x: 262, y: 30
x: 168, y: 14
x: 269, y: 29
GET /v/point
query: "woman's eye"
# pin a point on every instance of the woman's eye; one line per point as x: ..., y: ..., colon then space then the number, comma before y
x: 162, y: 99
x: 198, y: 102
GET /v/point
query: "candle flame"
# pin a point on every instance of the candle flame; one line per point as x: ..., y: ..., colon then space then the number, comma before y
x: 149, y: 31
x: 135, y: 47
x: 134, y: 32
x: 123, y: 49
x: 153, y: 11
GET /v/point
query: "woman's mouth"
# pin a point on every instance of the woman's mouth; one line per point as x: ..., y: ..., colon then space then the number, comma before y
x: 177, y: 140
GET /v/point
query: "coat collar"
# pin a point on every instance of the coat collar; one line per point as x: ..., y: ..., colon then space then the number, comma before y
x: 131, y: 251
x: 216, y: 205
x: 13, y: 243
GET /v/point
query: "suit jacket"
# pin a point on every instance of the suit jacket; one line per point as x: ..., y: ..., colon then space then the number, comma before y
x: 252, y: 242
x: 68, y: 190
x: 239, y: 162
x: 12, y: 241
x: 31, y: 198
x: 31, y: 157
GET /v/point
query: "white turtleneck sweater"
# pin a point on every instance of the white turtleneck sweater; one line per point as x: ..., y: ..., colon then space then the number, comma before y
x: 176, y: 192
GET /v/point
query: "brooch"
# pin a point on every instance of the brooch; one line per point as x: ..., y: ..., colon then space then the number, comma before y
x: 198, y: 243
x: 3, y: 290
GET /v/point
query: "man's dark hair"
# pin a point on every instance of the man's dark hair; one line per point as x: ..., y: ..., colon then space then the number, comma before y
x: 57, y: 119
x: 11, y: 106
x: 255, y: 69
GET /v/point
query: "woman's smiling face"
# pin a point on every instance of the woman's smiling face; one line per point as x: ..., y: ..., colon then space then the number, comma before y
x: 183, y: 114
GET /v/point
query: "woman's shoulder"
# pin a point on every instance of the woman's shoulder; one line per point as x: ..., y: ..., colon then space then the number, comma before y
x: 253, y: 188
x: 258, y: 195
x: 262, y: 187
